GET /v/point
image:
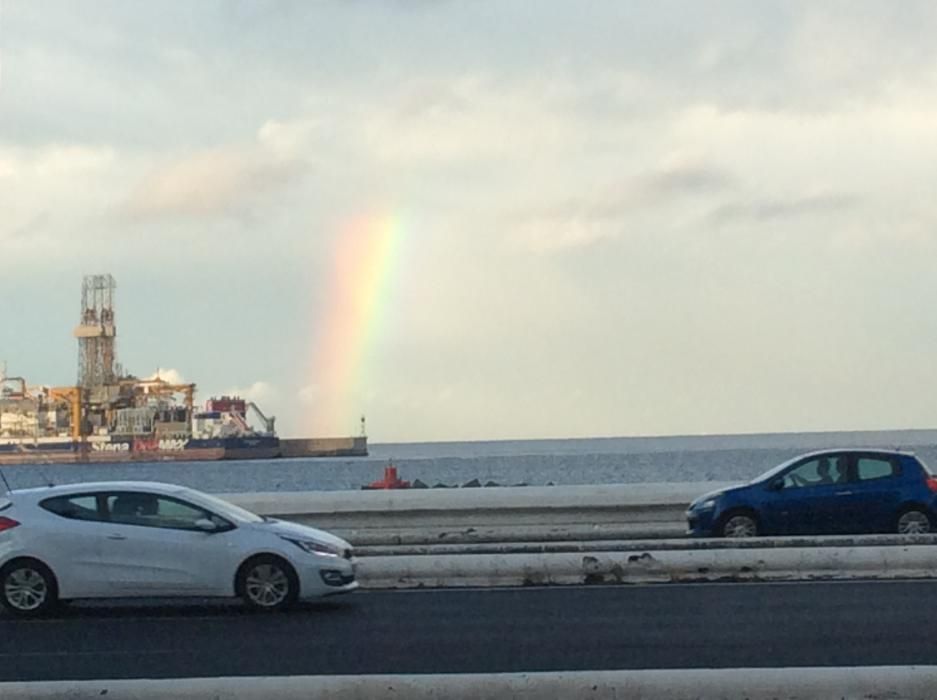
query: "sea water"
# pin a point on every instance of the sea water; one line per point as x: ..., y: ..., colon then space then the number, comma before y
x: 503, y: 462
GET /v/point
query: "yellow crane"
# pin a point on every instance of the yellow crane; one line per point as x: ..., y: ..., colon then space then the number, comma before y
x: 72, y: 396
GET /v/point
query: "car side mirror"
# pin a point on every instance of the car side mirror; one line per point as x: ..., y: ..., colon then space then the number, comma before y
x: 206, y: 525
x: 776, y: 485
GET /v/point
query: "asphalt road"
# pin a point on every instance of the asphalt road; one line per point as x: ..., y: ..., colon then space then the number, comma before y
x: 583, y: 628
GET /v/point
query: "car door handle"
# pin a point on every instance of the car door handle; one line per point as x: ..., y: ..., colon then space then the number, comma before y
x: 115, y: 536
x: 844, y: 493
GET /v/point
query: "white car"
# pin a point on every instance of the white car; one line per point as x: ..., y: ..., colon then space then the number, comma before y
x: 138, y: 539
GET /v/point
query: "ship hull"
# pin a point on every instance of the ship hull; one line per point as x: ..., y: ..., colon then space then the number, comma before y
x: 192, y: 450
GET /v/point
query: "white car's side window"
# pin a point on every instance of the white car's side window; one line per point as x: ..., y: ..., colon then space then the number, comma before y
x: 152, y: 510
x: 83, y: 507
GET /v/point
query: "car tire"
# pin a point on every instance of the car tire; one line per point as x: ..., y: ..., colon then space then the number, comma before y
x: 28, y: 588
x: 914, y: 521
x: 268, y: 583
x: 738, y: 524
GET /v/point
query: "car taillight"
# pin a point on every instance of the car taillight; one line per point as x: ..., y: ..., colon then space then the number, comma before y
x: 7, y: 523
x: 932, y: 484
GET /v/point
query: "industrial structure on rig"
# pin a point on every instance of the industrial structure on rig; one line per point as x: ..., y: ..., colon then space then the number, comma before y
x: 112, y: 416
x: 97, y: 333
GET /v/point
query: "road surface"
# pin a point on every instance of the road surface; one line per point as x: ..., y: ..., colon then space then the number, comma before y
x: 478, y: 631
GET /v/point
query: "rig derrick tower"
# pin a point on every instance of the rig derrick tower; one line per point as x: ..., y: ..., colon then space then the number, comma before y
x: 97, y: 334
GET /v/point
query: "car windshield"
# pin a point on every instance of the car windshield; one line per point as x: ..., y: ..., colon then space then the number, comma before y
x: 223, y: 507
x: 774, y: 471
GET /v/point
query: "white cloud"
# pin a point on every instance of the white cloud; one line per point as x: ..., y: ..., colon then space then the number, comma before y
x: 309, y: 394
x: 258, y: 392
x: 472, y: 119
x: 72, y: 160
x: 54, y: 161
x: 551, y: 236
x: 287, y: 139
x: 172, y: 376
x: 209, y: 183
x: 56, y: 185
x: 588, y: 218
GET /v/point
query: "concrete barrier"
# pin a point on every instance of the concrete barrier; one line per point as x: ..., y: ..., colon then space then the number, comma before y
x: 635, y: 545
x: 504, y: 514
x: 772, y: 563
x: 868, y: 683
x: 573, y: 535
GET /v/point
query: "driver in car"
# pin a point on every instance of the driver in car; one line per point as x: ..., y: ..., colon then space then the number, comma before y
x: 823, y: 475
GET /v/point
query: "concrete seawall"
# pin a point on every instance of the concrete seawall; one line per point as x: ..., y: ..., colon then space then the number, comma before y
x: 324, y: 447
x: 504, y: 514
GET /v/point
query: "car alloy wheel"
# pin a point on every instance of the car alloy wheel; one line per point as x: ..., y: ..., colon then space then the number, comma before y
x: 914, y: 522
x: 28, y: 588
x: 267, y: 585
x: 740, y: 526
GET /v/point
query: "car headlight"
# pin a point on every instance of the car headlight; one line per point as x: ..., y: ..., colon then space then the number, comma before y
x: 313, y: 547
x: 708, y: 504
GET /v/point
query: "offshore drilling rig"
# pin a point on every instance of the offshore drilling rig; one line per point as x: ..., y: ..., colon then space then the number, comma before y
x: 110, y: 401
x: 111, y: 415
x: 104, y: 403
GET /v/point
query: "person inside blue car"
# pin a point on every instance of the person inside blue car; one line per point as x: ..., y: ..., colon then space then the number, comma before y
x: 823, y: 475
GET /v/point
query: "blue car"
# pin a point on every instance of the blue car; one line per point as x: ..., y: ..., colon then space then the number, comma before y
x: 824, y: 493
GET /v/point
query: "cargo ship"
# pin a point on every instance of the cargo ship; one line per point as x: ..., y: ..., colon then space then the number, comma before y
x: 112, y: 417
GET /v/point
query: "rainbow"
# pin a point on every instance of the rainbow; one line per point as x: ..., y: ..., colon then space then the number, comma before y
x: 348, y: 326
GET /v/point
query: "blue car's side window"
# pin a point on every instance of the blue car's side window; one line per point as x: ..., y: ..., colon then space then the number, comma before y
x: 817, y: 472
x: 870, y: 468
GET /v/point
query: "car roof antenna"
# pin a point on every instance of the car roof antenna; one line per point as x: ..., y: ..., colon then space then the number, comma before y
x: 5, y: 482
x: 45, y: 477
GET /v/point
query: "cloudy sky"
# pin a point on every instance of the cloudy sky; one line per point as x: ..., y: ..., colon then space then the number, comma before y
x: 610, y: 218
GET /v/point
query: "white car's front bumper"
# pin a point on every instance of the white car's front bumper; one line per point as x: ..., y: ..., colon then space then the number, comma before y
x: 324, y: 576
